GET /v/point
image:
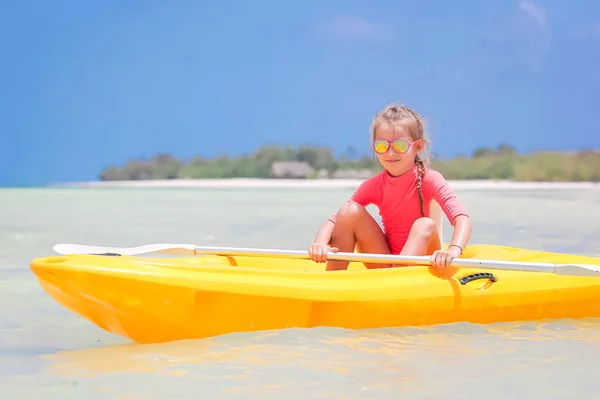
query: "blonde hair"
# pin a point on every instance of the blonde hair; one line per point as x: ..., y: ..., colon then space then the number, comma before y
x: 412, y: 122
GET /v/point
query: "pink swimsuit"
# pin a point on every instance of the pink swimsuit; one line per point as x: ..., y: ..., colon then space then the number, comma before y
x: 398, y: 201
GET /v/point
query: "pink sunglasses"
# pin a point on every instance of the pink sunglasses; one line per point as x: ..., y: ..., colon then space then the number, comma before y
x: 400, y: 145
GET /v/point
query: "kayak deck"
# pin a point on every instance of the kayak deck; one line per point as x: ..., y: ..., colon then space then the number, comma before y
x: 151, y: 300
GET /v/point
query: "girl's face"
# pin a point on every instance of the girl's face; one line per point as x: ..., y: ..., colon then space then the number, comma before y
x: 393, y: 159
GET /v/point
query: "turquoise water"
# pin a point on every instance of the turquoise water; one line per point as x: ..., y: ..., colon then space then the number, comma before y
x: 47, y: 352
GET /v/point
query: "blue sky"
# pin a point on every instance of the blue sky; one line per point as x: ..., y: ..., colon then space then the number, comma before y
x: 86, y: 84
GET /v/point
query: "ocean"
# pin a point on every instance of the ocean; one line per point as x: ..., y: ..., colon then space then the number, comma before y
x: 46, y: 352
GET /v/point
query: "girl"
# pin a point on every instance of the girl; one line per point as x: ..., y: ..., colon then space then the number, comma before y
x: 402, y: 192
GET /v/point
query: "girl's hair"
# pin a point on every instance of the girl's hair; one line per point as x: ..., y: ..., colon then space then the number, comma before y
x: 412, y: 122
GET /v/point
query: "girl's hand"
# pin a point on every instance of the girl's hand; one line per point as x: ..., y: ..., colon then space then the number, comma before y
x: 442, y: 258
x: 318, y: 252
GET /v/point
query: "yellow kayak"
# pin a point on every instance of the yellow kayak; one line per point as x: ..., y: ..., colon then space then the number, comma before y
x: 159, y: 299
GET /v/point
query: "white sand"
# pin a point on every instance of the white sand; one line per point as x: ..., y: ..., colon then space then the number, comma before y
x: 238, y: 183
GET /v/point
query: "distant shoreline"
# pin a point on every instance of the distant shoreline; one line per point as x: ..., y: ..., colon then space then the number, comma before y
x: 252, y: 183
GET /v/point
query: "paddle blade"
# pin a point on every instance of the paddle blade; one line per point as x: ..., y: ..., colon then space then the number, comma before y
x: 167, y: 248
x: 578, y: 270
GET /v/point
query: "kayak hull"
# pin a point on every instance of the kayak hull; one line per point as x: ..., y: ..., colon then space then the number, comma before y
x: 152, y: 300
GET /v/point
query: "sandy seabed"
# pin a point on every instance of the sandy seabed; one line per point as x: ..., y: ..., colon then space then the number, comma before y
x: 240, y: 183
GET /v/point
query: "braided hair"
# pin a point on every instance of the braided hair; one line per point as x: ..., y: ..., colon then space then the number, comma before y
x: 420, y: 173
x: 414, y: 125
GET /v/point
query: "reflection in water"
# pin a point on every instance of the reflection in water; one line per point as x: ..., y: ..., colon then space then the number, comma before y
x: 382, y: 362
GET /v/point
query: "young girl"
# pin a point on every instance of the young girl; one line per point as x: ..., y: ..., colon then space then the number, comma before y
x: 402, y: 192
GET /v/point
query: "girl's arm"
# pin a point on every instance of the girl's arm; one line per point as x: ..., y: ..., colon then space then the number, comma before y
x: 462, y: 234
x: 320, y: 247
x: 455, y: 212
x: 324, y: 233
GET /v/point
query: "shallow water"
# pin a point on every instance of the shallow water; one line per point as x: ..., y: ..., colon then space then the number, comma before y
x: 47, y: 352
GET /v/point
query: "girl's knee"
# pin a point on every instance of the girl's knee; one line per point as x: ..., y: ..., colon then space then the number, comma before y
x: 425, y: 227
x: 351, y: 212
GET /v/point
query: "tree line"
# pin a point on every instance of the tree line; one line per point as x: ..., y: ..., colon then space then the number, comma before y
x: 502, y: 162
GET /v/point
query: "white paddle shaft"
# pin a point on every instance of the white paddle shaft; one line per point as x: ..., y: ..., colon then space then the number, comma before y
x: 189, y: 250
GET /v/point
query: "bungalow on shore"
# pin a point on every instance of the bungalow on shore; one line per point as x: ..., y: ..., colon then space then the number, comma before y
x: 290, y: 170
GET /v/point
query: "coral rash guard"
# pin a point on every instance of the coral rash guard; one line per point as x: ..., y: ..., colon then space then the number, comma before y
x: 397, y: 199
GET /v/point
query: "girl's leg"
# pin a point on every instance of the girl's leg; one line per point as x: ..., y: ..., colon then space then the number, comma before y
x: 355, y: 227
x: 423, y: 239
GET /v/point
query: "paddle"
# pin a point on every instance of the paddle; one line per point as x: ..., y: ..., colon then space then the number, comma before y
x: 188, y: 249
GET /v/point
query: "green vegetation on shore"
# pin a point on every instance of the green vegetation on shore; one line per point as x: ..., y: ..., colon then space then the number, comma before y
x: 485, y: 163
